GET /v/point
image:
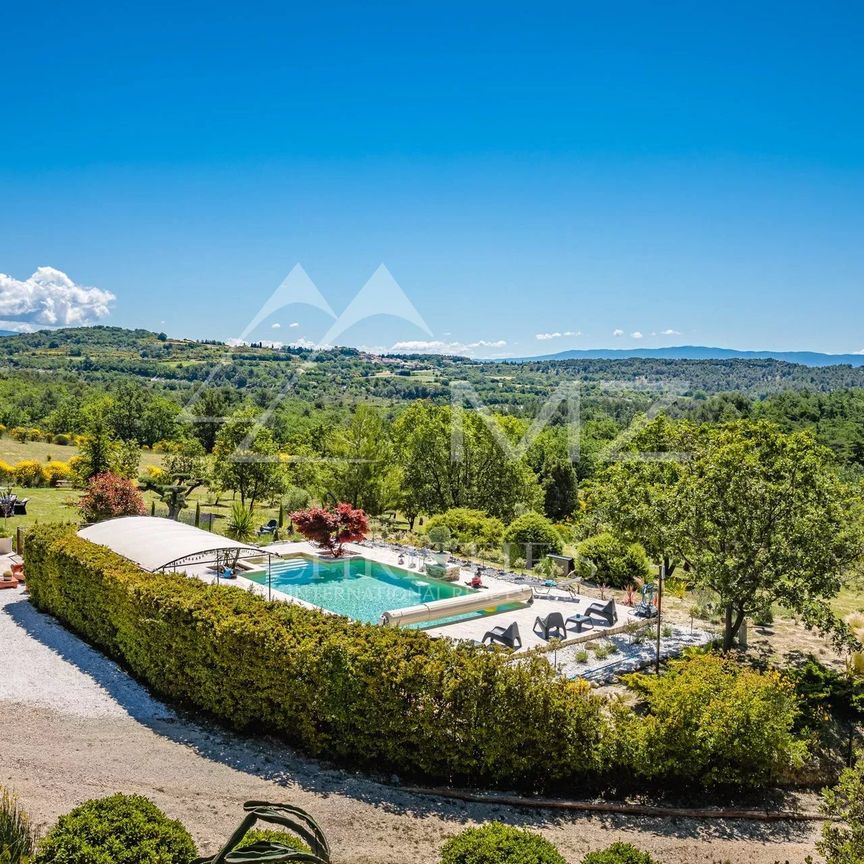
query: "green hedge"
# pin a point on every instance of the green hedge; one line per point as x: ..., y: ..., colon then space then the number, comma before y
x: 371, y: 696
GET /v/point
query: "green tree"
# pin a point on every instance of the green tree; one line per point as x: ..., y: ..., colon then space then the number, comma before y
x: 613, y: 561
x: 184, y: 469
x: 208, y: 410
x: 760, y: 516
x: 478, y: 472
x: 97, y: 449
x: 532, y: 536
x: 137, y: 414
x: 637, y: 489
x: 549, y: 459
x: 763, y: 517
x: 246, y: 459
x: 360, y: 468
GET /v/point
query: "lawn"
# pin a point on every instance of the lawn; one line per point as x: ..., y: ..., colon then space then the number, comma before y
x: 13, y: 451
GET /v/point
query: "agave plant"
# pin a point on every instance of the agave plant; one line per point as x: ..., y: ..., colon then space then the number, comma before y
x: 272, y: 851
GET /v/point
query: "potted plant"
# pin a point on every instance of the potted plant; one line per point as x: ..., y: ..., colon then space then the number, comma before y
x: 439, y: 537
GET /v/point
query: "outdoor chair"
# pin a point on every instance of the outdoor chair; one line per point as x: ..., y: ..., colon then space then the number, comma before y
x: 508, y: 636
x: 20, y: 507
x: 606, y: 611
x: 269, y: 528
x: 553, y: 621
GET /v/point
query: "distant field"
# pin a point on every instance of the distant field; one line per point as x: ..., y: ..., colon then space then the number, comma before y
x: 15, y: 451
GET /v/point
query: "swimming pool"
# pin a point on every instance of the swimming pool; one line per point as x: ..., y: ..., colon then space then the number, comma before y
x: 357, y: 587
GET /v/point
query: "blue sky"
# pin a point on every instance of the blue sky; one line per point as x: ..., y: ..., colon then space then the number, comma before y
x: 522, y: 170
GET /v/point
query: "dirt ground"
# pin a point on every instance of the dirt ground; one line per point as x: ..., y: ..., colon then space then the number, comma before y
x: 76, y: 727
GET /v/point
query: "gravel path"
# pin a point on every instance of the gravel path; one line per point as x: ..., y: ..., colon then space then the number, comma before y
x: 82, y: 728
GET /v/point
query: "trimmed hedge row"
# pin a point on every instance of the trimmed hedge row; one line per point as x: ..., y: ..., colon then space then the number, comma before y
x: 372, y: 696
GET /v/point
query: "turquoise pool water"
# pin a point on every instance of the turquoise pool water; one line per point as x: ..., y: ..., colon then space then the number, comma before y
x: 357, y: 587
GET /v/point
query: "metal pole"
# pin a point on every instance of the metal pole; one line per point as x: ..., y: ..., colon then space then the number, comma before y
x: 662, y: 576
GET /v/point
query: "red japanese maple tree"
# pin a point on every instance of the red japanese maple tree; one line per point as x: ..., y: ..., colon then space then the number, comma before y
x: 332, y: 528
x: 109, y: 496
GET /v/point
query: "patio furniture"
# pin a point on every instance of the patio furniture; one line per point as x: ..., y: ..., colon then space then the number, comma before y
x: 269, y: 528
x: 606, y: 611
x: 544, y: 591
x: 553, y: 621
x: 20, y: 507
x: 580, y: 621
x: 507, y: 636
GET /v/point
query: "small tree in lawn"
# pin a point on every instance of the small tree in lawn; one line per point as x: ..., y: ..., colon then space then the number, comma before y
x: 332, y: 528
x: 109, y: 497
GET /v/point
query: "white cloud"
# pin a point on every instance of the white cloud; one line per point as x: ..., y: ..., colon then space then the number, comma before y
x: 556, y: 335
x: 670, y: 332
x: 49, y: 298
x: 635, y: 335
x: 617, y: 332
x: 294, y: 324
x: 439, y: 346
x: 276, y: 326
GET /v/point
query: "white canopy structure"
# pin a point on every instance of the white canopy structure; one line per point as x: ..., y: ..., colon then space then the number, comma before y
x: 163, y: 544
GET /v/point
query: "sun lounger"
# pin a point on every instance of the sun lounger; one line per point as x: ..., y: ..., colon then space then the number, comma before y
x: 269, y: 528
x: 553, y: 621
x: 508, y: 636
x: 606, y: 611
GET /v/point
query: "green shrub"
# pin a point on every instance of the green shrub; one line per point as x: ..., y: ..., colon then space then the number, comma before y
x: 619, y: 853
x: 260, y: 835
x: 371, y: 696
x: 29, y: 473
x: 821, y: 689
x: 439, y: 537
x: 843, y: 840
x: 62, y: 439
x: 612, y: 561
x: 17, y: 838
x: 469, y: 528
x: 121, y: 829
x: 715, y: 721
x: 533, y: 536
x: 495, y: 843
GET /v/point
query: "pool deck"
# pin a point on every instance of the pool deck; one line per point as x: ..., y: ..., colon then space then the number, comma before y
x: 473, y: 629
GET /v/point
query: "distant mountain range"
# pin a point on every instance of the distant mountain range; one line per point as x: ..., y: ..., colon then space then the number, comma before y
x: 8, y: 333
x: 698, y: 352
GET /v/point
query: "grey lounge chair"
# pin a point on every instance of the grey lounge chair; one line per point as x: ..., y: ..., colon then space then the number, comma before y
x: 508, y: 636
x: 606, y: 611
x: 269, y: 528
x: 553, y: 621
